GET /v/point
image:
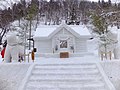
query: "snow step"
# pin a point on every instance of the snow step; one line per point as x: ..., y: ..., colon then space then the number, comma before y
x: 65, y: 72
x: 39, y: 79
x: 64, y: 83
x: 59, y: 85
x: 64, y: 89
x: 67, y: 87
x: 65, y: 78
x: 65, y: 75
x: 82, y: 76
x: 64, y: 68
x: 67, y: 64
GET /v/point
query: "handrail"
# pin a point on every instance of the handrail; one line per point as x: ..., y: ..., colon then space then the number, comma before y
x: 106, y: 79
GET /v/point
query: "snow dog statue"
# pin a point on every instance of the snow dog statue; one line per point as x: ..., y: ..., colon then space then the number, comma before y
x: 13, y: 49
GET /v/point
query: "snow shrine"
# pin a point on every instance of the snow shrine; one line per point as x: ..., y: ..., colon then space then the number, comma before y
x: 61, y: 40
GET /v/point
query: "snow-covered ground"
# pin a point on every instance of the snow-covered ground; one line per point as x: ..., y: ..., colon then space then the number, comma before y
x: 111, y: 67
x: 11, y: 75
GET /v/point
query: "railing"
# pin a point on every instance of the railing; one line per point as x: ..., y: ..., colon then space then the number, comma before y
x: 110, y: 86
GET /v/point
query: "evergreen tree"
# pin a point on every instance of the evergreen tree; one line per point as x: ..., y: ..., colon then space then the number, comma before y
x: 118, y: 5
x: 105, y: 37
x: 109, y: 3
x: 73, y: 16
x: 99, y: 3
x: 103, y: 3
x: 99, y: 23
x: 31, y: 13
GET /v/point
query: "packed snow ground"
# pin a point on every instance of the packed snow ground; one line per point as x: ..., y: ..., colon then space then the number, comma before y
x: 11, y: 75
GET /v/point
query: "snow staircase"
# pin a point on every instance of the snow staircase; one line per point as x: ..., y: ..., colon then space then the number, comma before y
x: 84, y: 76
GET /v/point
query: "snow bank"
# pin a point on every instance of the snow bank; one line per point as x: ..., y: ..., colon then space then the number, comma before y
x: 112, y: 70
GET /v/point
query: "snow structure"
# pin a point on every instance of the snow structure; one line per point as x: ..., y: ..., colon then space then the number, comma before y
x: 114, y: 41
x: 116, y: 37
x: 73, y: 73
x: 52, y: 40
x: 13, y: 49
x: 69, y: 76
x: 108, y: 42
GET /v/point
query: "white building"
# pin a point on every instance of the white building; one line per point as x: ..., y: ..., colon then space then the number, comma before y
x: 50, y: 41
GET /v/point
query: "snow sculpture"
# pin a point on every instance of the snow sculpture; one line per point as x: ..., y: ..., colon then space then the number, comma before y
x: 13, y: 49
x: 107, y: 44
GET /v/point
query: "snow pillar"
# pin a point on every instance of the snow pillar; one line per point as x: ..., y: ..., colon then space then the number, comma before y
x: 117, y: 48
x: 116, y: 52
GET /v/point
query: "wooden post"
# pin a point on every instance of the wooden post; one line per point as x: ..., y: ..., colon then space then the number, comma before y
x: 28, y: 57
x: 106, y: 54
x: 53, y: 50
x: 102, y: 56
x: 33, y: 56
x: 110, y: 53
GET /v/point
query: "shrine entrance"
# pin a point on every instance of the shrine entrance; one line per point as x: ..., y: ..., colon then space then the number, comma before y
x: 64, y: 44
